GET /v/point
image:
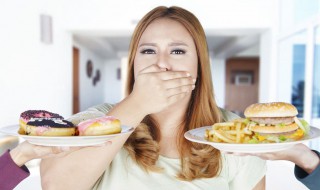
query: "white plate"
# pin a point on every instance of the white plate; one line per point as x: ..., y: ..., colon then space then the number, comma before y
x: 64, y: 141
x: 197, y: 135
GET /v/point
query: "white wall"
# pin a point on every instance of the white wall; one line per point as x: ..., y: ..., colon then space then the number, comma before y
x: 112, y: 86
x: 89, y: 94
x: 32, y: 75
x: 218, y: 71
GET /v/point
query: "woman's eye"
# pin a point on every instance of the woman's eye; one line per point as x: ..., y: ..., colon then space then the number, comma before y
x: 178, y: 51
x: 147, y: 51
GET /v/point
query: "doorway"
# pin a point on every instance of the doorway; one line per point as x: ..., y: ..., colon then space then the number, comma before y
x: 242, y: 83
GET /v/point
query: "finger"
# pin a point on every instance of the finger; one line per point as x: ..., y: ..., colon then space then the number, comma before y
x: 178, y: 82
x: 152, y: 68
x: 108, y: 143
x: 237, y: 153
x: 56, y: 149
x: 177, y: 97
x: 168, y: 75
x: 179, y: 90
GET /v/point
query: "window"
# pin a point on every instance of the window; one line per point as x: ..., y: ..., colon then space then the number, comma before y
x: 298, y: 78
x: 291, y: 68
x: 299, y: 58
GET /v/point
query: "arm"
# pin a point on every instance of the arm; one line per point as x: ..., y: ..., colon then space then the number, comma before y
x: 89, y: 163
x: 309, y: 175
x: 150, y: 95
x: 307, y: 160
x: 307, y: 169
x: 12, y: 167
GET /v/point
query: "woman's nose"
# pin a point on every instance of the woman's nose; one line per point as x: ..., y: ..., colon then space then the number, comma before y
x: 163, y: 62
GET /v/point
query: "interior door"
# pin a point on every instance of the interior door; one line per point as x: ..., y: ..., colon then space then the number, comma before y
x: 75, y: 98
x: 242, y: 83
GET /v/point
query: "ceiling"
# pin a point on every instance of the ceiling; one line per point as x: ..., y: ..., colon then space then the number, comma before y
x: 223, y: 44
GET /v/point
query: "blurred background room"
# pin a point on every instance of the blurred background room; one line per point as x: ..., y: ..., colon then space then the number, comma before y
x: 66, y: 56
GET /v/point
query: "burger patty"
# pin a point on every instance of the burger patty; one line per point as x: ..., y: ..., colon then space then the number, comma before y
x: 272, y: 120
x: 284, y: 133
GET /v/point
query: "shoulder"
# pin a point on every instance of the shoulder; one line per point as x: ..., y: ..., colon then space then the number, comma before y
x: 227, y: 115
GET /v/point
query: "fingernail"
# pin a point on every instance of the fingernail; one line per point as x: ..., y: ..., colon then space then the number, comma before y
x: 188, y: 74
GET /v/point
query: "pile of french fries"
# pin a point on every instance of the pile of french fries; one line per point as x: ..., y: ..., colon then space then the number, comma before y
x: 235, y: 131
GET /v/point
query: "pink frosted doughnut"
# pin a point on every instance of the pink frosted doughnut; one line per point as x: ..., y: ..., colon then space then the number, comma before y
x: 99, y: 126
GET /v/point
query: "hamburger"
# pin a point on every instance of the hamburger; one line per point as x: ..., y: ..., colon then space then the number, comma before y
x: 275, y: 122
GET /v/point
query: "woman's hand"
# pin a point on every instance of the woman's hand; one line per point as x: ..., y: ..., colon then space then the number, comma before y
x: 25, y: 152
x: 157, y: 88
x: 299, y: 154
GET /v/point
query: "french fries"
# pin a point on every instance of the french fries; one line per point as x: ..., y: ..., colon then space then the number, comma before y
x: 235, y: 131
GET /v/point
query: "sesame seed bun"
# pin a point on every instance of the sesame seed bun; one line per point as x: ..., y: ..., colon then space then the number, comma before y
x: 273, y: 109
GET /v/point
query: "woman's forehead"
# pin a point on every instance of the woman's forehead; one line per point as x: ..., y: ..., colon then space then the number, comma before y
x: 165, y: 28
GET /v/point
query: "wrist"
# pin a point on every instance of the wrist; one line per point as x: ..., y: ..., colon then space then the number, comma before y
x: 306, y: 159
x: 18, y: 157
x: 310, y: 162
x: 135, y: 103
x: 128, y: 111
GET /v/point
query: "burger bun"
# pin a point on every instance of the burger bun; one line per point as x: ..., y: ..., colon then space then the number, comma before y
x: 273, y: 109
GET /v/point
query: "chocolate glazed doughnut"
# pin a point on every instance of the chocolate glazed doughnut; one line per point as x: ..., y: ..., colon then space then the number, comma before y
x: 29, y: 114
x: 50, y: 127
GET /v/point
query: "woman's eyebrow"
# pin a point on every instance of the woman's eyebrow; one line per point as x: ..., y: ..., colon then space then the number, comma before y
x: 170, y: 44
x: 178, y: 44
x: 147, y: 44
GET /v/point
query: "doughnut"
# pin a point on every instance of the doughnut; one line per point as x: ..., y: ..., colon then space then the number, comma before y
x: 99, y: 126
x: 29, y: 114
x: 50, y: 127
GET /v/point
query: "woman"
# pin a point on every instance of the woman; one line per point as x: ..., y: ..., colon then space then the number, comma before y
x: 170, y: 92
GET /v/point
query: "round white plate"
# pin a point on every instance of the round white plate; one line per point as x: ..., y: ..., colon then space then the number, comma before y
x: 66, y: 140
x: 197, y: 135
